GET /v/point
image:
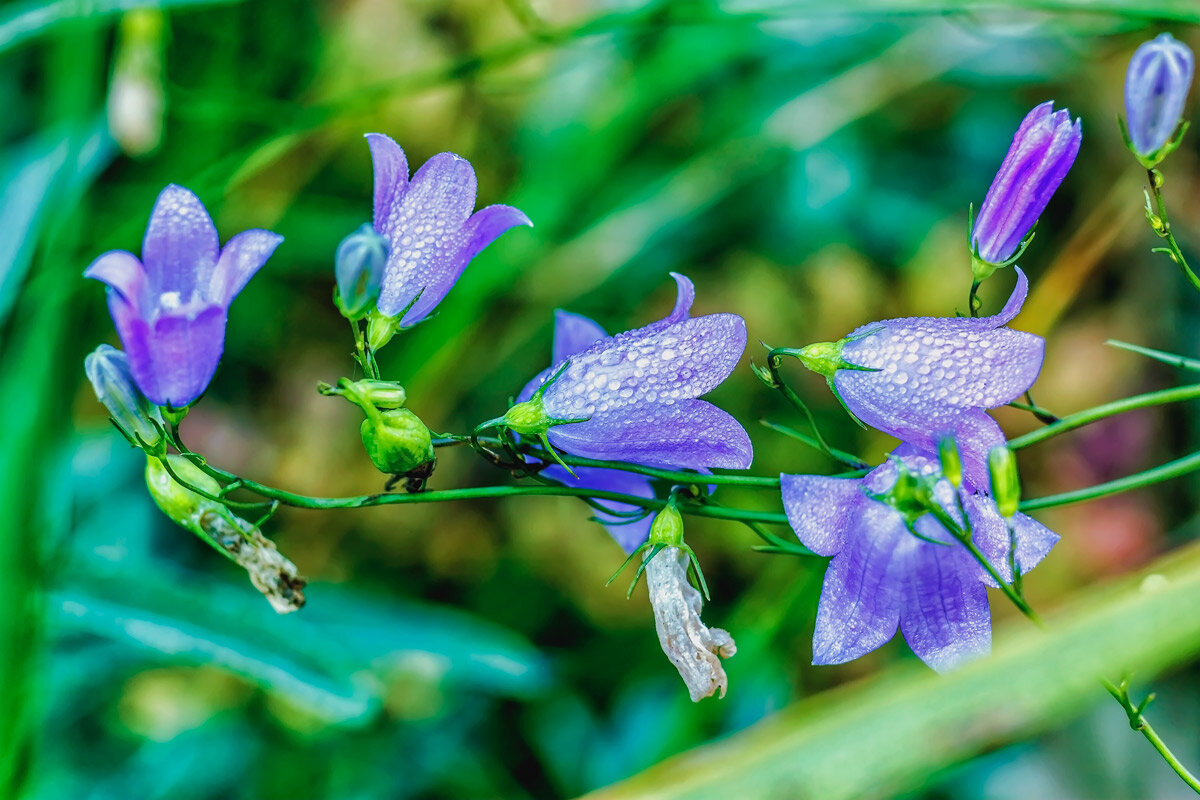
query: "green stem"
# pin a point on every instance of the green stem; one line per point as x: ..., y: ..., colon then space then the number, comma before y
x: 776, y: 381
x: 1163, y: 230
x: 1165, y: 472
x: 1079, y: 419
x: 1139, y: 723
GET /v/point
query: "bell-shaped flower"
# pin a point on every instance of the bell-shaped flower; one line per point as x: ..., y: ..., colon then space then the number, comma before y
x: 428, y: 223
x: 1156, y: 87
x: 883, y: 575
x: 923, y: 378
x: 1041, y: 154
x: 171, y: 307
x: 633, y: 397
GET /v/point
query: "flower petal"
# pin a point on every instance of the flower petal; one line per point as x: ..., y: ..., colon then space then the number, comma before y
x: 426, y: 233
x: 990, y: 533
x: 945, y: 616
x: 181, y: 245
x: 574, y: 333
x: 629, y: 535
x: 649, y: 365
x: 685, y: 434
x: 861, y: 595
x: 174, y: 360
x: 242, y: 256
x: 821, y: 510
x: 683, y: 299
x: 123, y: 273
x: 391, y: 176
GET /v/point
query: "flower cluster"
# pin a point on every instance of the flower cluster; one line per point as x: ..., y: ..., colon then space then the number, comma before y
x: 900, y: 555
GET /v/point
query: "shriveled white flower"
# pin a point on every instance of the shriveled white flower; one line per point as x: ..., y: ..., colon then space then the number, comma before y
x: 695, y: 649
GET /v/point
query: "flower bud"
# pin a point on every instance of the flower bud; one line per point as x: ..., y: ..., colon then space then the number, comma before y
x: 270, y: 572
x: 1156, y: 87
x: 381, y: 329
x: 1006, y: 486
x: 951, y: 461
x: 358, y: 267
x: 1041, y: 154
x: 383, y: 395
x: 398, y: 443
x: 136, y: 100
x: 112, y: 380
x: 667, y: 528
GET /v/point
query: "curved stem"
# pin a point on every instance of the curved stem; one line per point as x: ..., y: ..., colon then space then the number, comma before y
x: 1081, y: 418
x: 1163, y: 228
x: 1138, y: 722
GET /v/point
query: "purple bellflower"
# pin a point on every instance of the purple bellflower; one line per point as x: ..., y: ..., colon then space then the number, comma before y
x: 428, y: 223
x: 171, y: 307
x: 883, y: 575
x: 1041, y: 154
x: 923, y: 378
x: 632, y: 397
x: 1156, y: 87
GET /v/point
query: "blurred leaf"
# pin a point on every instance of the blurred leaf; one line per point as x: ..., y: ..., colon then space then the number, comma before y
x: 35, y: 180
x: 24, y: 21
x: 887, y: 735
x: 229, y: 628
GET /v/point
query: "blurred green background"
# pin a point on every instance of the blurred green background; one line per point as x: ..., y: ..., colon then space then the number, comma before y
x: 808, y: 164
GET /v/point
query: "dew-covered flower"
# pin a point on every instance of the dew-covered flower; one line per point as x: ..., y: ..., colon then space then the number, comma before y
x: 1041, y: 154
x: 171, y: 307
x: 429, y: 226
x: 883, y: 576
x: 633, y: 397
x: 923, y: 378
x: 1156, y: 87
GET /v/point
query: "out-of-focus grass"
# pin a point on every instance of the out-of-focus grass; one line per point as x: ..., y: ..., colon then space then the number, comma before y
x: 808, y: 165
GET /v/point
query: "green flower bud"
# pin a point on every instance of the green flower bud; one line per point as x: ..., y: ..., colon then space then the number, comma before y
x: 269, y: 571
x: 381, y: 329
x: 178, y: 502
x: 108, y: 370
x: 1006, y: 485
x: 667, y: 528
x: 951, y: 461
x: 824, y: 358
x: 398, y: 443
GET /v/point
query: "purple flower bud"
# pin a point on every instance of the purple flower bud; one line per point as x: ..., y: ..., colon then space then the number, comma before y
x: 883, y: 576
x: 636, y: 391
x: 429, y: 225
x: 1038, y: 159
x: 170, y: 310
x: 358, y: 267
x: 1156, y: 87
x: 923, y: 378
x: 108, y: 370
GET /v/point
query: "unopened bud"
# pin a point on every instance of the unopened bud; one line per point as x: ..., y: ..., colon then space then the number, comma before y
x: 112, y: 380
x: 398, y: 443
x: 1006, y: 486
x: 270, y: 572
x: 383, y: 395
x: 667, y: 528
x: 136, y: 100
x: 951, y: 461
x: 358, y: 267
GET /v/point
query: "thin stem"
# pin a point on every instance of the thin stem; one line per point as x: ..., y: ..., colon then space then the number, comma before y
x: 1081, y: 418
x: 1165, y: 472
x: 1173, y: 359
x: 1139, y: 723
x: 1163, y: 228
x: 776, y: 381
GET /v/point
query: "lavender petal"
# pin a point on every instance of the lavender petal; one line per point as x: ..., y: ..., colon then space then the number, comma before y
x: 945, y: 617
x: 991, y: 535
x: 181, y: 243
x: 821, y: 510
x: 391, y: 176
x: 242, y: 257
x: 629, y: 535
x: 123, y: 273
x: 685, y: 434
x: 574, y: 333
